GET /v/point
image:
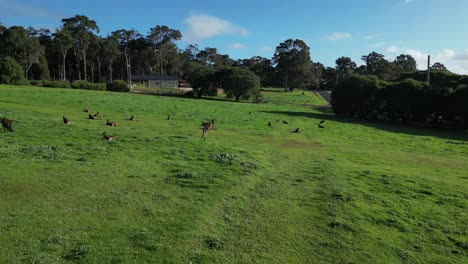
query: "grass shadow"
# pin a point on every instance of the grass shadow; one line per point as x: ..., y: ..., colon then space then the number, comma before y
x: 325, y: 113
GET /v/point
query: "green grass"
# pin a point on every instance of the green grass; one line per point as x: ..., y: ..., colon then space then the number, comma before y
x: 354, y: 192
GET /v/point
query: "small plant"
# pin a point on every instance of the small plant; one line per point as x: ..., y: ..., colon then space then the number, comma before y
x: 118, y: 86
x: 82, y: 84
x: 57, y: 84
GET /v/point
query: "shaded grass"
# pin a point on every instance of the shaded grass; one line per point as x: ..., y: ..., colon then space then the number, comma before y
x: 352, y: 192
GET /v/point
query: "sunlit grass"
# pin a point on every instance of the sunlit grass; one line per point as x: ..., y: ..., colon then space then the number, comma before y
x: 353, y: 192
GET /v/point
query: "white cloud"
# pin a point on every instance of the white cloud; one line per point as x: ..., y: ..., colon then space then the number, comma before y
x: 393, y: 49
x: 455, y: 62
x: 236, y: 46
x: 370, y: 37
x: 462, y: 57
x: 339, y: 36
x: 10, y: 8
x: 266, y: 48
x: 377, y: 44
x: 203, y: 27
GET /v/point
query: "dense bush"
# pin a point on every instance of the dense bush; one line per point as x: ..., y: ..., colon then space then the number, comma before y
x: 81, y: 84
x: 11, y: 72
x: 408, y: 100
x: 118, y: 86
x: 36, y: 83
x: 57, y: 84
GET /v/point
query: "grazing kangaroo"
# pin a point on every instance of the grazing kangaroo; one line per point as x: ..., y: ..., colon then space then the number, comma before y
x: 132, y: 118
x: 285, y: 122
x: 66, y: 121
x: 320, y: 125
x: 113, y: 124
x: 6, y: 123
x: 297, y: 130
x: 206, y: 127
x: 95, y: 116
x: 108, y: 137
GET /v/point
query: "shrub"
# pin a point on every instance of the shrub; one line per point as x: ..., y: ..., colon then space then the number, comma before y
x: 189, y: 94
x: 57, y: 84
x: 11, y: 72
x: 36, y: 83
x: 118, y: 86
x: 82, y: 84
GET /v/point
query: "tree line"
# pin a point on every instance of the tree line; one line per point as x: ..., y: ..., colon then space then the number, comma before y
x: 379, y: 88
x: 76, y: 51
x: 442, y: 103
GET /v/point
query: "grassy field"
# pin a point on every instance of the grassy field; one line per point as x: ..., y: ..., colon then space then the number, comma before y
x: 353, y: 192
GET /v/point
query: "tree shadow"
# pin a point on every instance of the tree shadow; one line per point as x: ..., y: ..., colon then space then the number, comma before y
x: 325, y: 113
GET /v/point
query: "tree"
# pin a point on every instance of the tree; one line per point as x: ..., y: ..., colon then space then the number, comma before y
x: 162, y: 39
x: 402, y: 98
x: 200, y: 77
x: 377, y: 65
x: 406, y: 62
x: 438, y: 67
x: 82, y: 30
x: 330, y: 78
x: 10, y: 71
x: 110, y: 52
x: 17, y: 43
x: 125, y: 37
x: 238, y: 82
x: 261, y: 66
x: 292, y: 59
x: 459, y: 101
x: 40, y: 70
x: 319, y: 74
x: 344, y: 68
x: 358, y: 95
x: 64, y: 42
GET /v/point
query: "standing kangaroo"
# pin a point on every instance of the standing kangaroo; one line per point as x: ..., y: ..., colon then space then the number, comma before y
x: 6, y: 123
x: 206, y: 127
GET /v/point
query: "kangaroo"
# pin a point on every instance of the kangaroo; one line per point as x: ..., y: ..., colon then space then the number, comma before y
x: 108, y: 137
x: 6, y: 123
x: 113, y: 124
x: 320, y: 125
x: 132, y: 118
x: 297, y: 130
x: 95, y: 116
x: 207, y: 126
x: 66, y: 121
x: 87, y: 110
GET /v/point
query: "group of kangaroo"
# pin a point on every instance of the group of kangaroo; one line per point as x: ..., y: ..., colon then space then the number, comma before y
x: 97, y: 116
x: 207, y: 126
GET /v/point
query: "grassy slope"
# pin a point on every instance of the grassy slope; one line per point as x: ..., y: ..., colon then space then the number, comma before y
x: 352, y: 192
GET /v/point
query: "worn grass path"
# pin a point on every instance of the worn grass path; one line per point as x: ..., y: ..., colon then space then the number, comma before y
x: 354, y: 192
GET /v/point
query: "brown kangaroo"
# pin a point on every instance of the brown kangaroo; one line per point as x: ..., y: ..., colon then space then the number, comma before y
x: 108, y: 137
x: 66, y: 121
x: 113, y: 124
x: 6, y: 123
x: 95, y: 116
x: 207, y: 126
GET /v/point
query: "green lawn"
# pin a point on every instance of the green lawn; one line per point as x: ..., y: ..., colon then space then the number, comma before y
x: 353, y: 192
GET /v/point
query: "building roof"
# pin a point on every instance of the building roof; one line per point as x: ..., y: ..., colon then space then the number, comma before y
x: 138, y: 77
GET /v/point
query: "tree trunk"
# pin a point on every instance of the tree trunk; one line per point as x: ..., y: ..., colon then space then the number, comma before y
x: 110, y: 71
x: 99, y: 69
x: 64, y: 57
x: 84, y: 67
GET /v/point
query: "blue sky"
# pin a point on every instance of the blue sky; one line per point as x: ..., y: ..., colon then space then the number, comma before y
x: 246, y: 28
